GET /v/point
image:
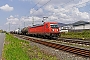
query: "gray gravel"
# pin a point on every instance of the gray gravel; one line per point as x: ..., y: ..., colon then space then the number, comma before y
x: 61, y: 55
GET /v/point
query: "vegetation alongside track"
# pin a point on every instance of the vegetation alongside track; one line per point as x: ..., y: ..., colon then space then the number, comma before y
x: 80, y: 35
x: 15, y: 49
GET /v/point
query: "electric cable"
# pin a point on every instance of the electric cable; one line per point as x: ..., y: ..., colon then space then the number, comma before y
x: 41, y: 6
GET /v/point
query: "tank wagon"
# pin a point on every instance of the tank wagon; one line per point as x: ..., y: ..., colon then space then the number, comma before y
x: 24, y: 30
x: 17, y: 31
x: 47, y: 29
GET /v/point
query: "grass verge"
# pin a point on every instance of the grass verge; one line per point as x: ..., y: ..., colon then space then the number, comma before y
x: 79, y: 35
x: 15, y: 49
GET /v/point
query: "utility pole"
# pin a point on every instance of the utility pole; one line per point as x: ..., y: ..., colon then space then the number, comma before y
x: 19, y: 23
x: 32, y: 21
x: 24, y: 24
x: 9, y: 27
x: 44, y: 19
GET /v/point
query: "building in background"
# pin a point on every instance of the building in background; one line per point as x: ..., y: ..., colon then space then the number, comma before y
x: 79, y: 25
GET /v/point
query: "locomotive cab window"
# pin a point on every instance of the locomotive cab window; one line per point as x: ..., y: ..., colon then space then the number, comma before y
x: 54, y: 25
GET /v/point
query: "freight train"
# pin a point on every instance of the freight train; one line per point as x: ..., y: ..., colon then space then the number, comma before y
x: 46, y: 30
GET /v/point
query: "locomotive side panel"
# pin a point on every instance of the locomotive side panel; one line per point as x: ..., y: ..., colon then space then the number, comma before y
x: 36, y: 29
x: 48, y: 29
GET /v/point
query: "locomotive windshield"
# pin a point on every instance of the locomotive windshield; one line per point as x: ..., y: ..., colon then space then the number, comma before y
x: 54, y: 25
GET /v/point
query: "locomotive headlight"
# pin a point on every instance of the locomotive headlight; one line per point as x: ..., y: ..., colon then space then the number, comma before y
x: 52, y: 29
x: 57, y: 29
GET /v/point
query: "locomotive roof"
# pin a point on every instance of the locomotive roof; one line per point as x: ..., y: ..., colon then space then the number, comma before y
x: 51, y: 22
x: 44, y: 23
x: 37, y: 25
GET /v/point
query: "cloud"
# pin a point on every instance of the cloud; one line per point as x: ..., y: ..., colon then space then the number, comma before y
x: 6, y: 8
x: 12, y: 20
x: 11, y: 0
x: 78, y: 14
x: 25, y: 19
x: 80, y: 3
x: 56, y: 11
x: 66, y: 11
x: 25, y: 0
x: 15, y: 22
x: 37, y: 12
x: 29, y: 20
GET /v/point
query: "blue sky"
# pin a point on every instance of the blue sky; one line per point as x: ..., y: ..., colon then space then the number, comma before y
x: 18, y: 12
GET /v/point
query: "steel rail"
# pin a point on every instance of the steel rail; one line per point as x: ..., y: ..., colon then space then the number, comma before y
x: 74, y: 50
x: 78, y: 41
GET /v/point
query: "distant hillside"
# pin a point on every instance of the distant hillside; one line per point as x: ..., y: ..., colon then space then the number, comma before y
x: 74, y: 24
x: 61, y: 24
x: 80, y: 23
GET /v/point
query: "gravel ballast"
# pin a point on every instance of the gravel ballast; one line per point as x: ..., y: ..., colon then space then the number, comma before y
x: 61, y: 55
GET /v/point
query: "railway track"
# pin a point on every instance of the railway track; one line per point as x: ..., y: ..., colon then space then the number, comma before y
x: 78, y: 41
x: 74, y: 50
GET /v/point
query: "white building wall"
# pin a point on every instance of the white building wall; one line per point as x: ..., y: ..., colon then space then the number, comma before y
x: 82, y: 27
x: 87, y: 26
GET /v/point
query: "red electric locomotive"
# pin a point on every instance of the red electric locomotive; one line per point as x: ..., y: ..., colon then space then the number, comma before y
x: 48, y: 29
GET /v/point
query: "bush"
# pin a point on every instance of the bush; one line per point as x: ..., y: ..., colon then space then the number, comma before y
x: 84, y: 34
